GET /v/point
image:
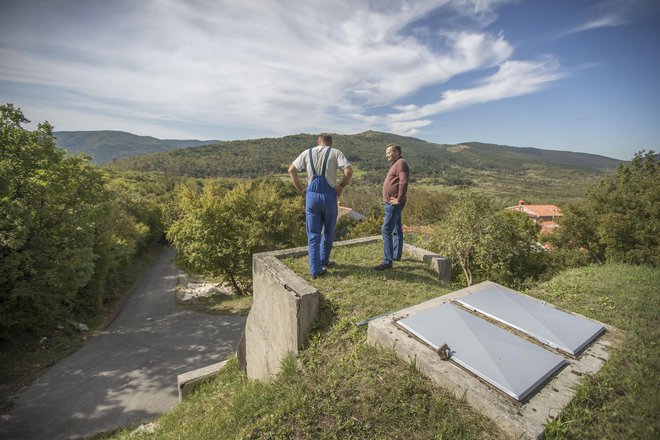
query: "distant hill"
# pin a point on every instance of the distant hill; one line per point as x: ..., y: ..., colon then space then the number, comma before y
x: 555, y: 157
x: 257, y: 157
x: 107, y: 145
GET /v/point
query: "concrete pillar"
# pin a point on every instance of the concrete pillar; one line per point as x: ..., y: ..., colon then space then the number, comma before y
x: 283, y: 310
x: 441, y: 265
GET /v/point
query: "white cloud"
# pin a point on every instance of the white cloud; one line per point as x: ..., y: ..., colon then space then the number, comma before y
x: 409, y: 127
x: 612, y: 13
x: 599, y: 22
x: 65, y: 118
x: 277, y: 66
x: 513, y: 78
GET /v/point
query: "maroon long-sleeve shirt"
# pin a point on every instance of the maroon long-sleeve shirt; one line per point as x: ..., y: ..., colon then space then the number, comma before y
x: 396, y: 181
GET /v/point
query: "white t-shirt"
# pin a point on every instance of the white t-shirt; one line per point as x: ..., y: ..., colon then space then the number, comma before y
x: 335, y: 160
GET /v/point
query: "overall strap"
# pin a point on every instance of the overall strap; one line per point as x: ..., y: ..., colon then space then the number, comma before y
x: 311, y: 162
x: 325, y: 161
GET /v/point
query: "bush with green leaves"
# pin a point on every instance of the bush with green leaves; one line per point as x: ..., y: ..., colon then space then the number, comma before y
x: 619, y: 219
x: 65, y: 235
x: 47, y: 224
x: 216, y: 231
x: 426, y: 207
x: 487, y: 243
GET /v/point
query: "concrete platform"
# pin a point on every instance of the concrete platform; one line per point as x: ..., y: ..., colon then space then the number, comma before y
x: 519, y: 419
x: 285, y: 306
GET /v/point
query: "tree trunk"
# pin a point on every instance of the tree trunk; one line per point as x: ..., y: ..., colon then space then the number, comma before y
x: 465, y: 265
x: 234, y: 284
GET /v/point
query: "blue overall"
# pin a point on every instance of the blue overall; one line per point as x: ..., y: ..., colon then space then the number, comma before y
x: 321, y: 214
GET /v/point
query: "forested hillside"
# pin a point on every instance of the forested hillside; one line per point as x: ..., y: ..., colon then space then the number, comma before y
x: 106, y: 145
x: 445, y: 163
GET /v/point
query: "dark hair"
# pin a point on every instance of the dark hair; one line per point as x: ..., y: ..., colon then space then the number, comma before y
x: 395, y: 147
x: 327, y: 138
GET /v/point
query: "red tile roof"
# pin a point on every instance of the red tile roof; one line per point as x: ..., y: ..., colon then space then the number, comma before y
x: 538, y: 210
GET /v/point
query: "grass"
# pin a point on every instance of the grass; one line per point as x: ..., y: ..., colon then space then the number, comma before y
x: 340, y: 387
x: 536, y: 185
x: 622, y: 400
x: 220, y: 304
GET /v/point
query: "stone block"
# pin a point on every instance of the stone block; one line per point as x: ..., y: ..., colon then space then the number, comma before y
x: 438, y: 263
x: 283, y: 311
x: 187, y: 382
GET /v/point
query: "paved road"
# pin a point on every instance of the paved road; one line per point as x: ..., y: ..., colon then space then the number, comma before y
x: 127, y: 373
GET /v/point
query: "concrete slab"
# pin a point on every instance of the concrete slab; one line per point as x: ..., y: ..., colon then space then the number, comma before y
x: 187, y: 382
x: 519, y: 419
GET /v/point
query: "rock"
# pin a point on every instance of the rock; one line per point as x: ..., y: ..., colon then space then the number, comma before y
x: 147, y: 428
x: 79, y: 326
x: 198, y: 290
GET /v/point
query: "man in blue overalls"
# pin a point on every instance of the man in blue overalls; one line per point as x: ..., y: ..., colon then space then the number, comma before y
x: 321, y: 163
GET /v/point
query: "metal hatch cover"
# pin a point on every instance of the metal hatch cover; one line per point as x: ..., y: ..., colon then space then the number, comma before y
x: 504, y: 360
x: 551, y: 326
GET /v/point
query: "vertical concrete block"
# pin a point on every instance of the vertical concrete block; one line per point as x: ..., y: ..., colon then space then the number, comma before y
x: 441, y: 265
x: 283, y: 310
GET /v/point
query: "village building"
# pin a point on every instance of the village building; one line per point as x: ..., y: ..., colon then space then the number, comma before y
x: 545, y: 215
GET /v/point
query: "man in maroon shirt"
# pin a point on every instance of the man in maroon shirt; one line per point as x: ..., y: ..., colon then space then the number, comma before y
x: 394, y: 196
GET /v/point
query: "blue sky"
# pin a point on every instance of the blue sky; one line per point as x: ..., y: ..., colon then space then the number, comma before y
x: 563, y: 75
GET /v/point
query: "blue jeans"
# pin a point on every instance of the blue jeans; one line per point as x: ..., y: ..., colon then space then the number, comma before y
x: 392, y: 233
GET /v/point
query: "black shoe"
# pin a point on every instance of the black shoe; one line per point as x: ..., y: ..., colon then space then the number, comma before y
x: 320, y: 274
x: 329, y: 264
x: 397, y: 259
x: 383, y: 266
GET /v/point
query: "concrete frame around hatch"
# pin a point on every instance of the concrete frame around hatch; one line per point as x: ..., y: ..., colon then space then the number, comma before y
x: 519, y: 420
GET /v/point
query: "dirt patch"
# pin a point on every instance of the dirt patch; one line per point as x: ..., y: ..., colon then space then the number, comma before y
x: 216, y: 298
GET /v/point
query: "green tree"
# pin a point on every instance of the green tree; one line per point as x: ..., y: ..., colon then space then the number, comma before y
x: 49, y: 207
x: 499, y: 245
x: 464, y: 235
x: 216, y: 231
x: 628, y: 209
x: 619, y: 219
x: 577, y: 242
x: 67, y: 233
x: 514, y: 254
x: 426, y: 207
x: 127, y: 226
x: 363, y: 228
